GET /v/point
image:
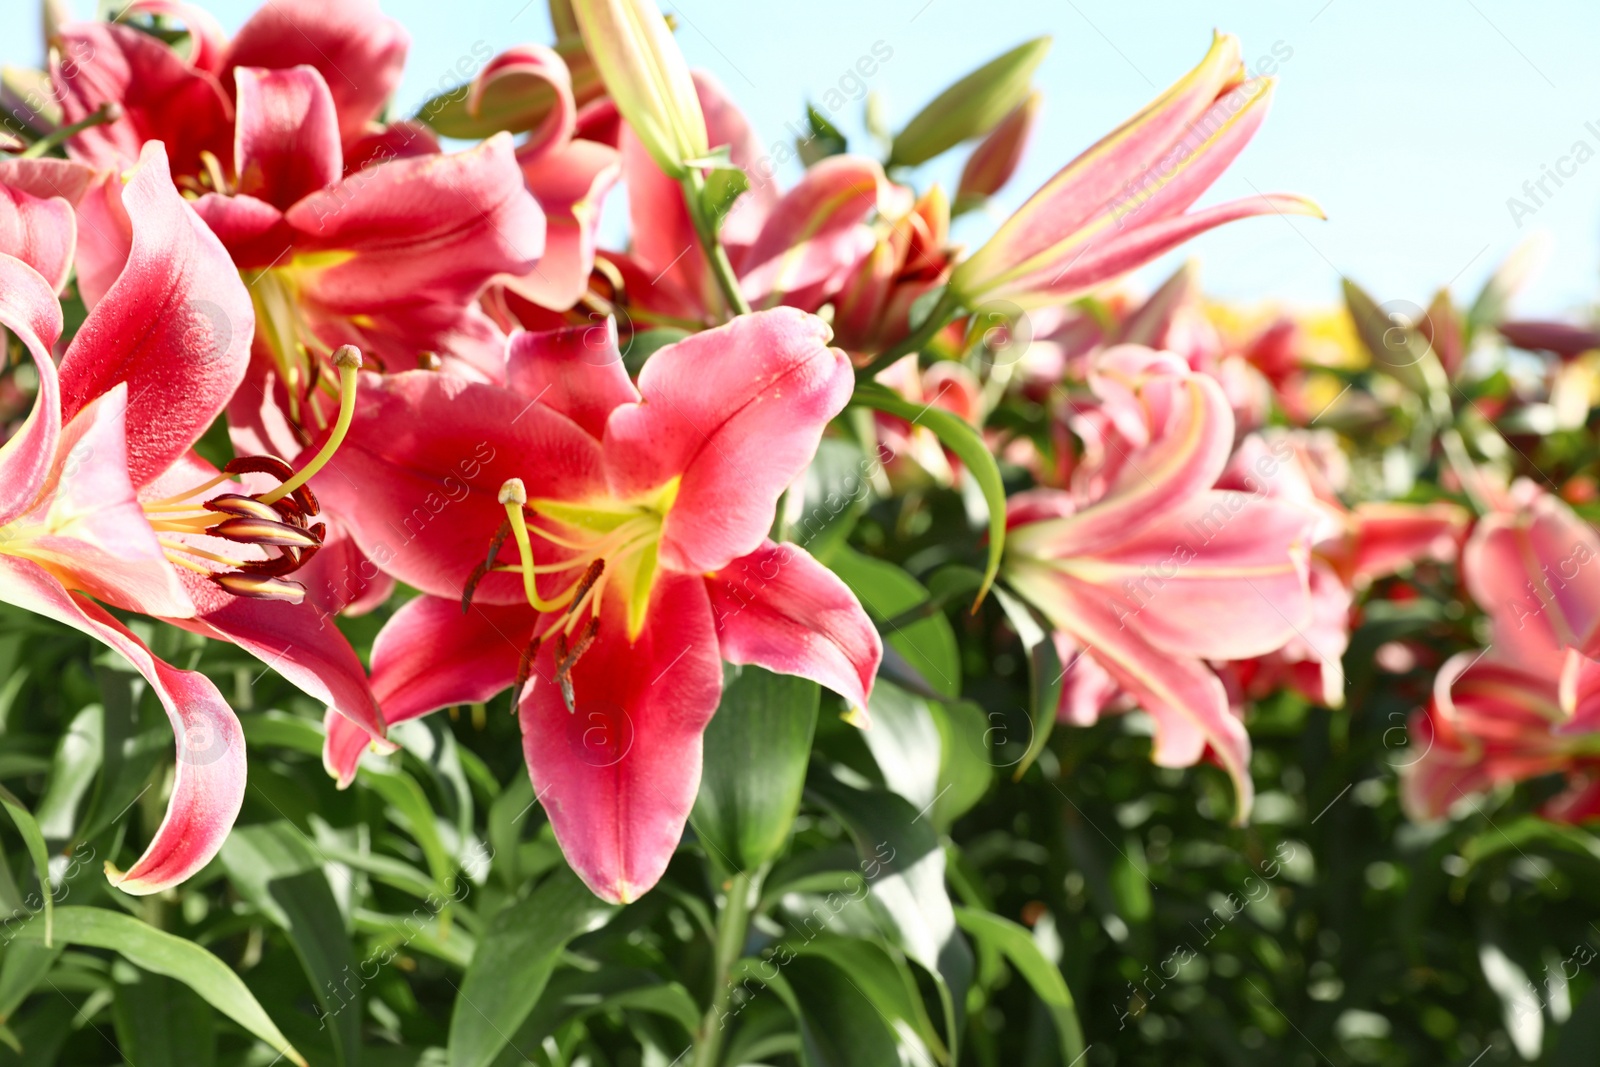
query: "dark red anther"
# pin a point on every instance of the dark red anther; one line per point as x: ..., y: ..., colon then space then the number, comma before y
x: 246, y: 507
x: 524, y: 671
x: 307, y: 500
x: 472, y: 585
x: 591, y: 574
x: 496, y: 541
x: 260, y: 465
x: 260, y: 586
x: 263, y: 532
x: 287, y: 561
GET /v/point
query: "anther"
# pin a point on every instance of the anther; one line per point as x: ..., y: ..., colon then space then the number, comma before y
x: 260, y: 587
x: 590, y: 575
x: 472, y: 586
x: 260, y: 465
x: 524, y: 671
x: 429, y: 361
x: 263, y: 532
x: 247, y: 507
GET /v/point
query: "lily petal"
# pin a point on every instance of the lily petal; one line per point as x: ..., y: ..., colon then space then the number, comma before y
x: 209, y: 787
x: 618, y: 774
x: 175, y: 326
x: 780, y: 609
x: 161, y: 96
x: 736, y: 413
x: 28, y: 308
x: 418, y: 476
x: 41, y: 233
x: 814, y: 237
x: 570, y: 184
x: 359, y: 51
x: 576, y: 370
x: 286, y: 134
x: 429, y: 656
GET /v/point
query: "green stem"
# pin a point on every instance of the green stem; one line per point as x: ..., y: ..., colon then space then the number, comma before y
x: 107, y: 112
x: 937, y: 320
x: 705, y: 228
x: 733, y: 926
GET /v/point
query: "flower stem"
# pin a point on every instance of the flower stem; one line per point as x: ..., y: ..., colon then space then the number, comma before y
x: 733, y: 925
x: 705, y: 228
x: 107, y: 112
x: 937, y: 320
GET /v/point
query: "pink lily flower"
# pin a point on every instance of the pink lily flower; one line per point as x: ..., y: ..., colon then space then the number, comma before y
x: 1529, y: 704
x: 793, y: 249
x: 102, y: 498
x: 1350, y: 549
x: 1147, y: 571
x: 1125, y: 200
x: 608, y: 544
x: 569, y: 175
x: 187, y: 101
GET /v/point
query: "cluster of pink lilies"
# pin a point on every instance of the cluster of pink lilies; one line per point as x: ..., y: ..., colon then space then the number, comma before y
x: 418, y: 358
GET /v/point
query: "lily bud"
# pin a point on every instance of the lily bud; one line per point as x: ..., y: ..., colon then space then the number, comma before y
x: 994, y: 161
x: 971, y: 107
x: 1122, y: 203
x: 647, y: 78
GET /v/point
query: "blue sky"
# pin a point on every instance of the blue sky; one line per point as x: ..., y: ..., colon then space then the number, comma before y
x: 1411, y: 123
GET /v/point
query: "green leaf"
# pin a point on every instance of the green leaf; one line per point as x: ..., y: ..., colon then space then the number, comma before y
x: 24, y: 967
x: 1046, y: 676
x: 513, y: 963
x: 162, y: 953
x: 1045, y: 978
x: 842, y: 1028
x: 823, y: 139
x: 756, y: 750
x: 410, y: 803
x: 160, y: 1023
x: 903, y: 865
x: 724, y: 185
x: 927, y: 645
x: 882, y: 976
x: 965, y: 770
x: 273, y: 867
x: 1391, y: 337
x: 72, y: 772
x: 34, y: 839
x: 643, y: 344
x: 971, y: 107
x: 962, y: 438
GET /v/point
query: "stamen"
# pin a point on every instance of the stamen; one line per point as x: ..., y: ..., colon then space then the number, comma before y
x: 263, y: 532
x: 213, y: 165
x: 194, y: 550
x: 189, y: 563
x: 472, y: 586
x: 290, y: 561
x: 524, y: 671
x: 581, y: 590
x: 256, y: 465
x: 567, y: 658
x: 348, y: 360
x: 245, y: 507
x: 260, y: 587
x: 187, y: 493
x: 429, y: 361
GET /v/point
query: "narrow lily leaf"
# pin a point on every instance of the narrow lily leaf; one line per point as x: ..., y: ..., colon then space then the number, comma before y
x: 274, y: 868
x: 1018, y: 946
x: 756, y: 750
x: 162, y: 953
x: 885, y: 979
x: 904, y: 865
x: 966, y: 442
x: 513, y: 963
x: 23, y: 968
x: 29, y: 829
x: 160, y: 1023
x: 1397, y: 347
x: 1045, y: 674
x: 845, y: 1028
